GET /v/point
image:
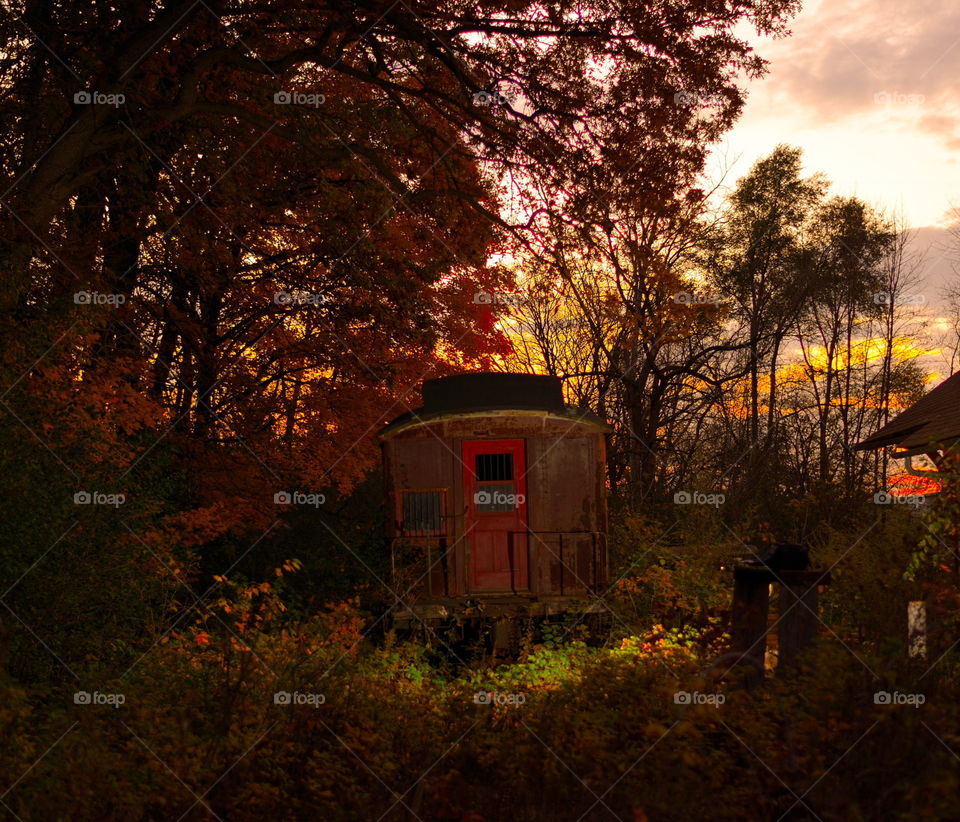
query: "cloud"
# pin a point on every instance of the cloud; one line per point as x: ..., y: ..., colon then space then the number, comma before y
x: 896, y: 62
x: 938, y: 248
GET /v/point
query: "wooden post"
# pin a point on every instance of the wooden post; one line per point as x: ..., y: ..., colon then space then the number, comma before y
x: 798, y: 621
x: 799, y: 615
x: 502, y: 633
x: 917, y: 628
x: 751, y: 605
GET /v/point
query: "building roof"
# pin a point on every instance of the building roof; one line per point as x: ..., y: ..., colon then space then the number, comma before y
x: 930, y: 424
x: 486, y: 391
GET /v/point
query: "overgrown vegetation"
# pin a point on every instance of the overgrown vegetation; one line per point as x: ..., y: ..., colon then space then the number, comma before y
x: 217, y: 285
x: 246, y: 708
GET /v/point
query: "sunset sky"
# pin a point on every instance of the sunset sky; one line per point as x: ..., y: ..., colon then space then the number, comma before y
x: 868, y: 89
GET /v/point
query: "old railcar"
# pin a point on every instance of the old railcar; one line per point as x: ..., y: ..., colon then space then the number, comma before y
x: 497, y: 493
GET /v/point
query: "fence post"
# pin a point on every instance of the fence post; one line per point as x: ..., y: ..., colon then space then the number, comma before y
x: 917, y: 628
x: 751, y: 606
x: 799, y: 614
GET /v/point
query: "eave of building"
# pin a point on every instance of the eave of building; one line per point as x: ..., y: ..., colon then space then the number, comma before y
x: 931, y: 424
x: 929, y: 448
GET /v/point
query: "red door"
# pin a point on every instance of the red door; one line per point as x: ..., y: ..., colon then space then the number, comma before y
x: 496, y: 522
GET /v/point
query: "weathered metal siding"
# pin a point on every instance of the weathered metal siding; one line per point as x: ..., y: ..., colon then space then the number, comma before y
x: 566, y: 498
x: 427, y: 463
x: 495, y: 425
x: 567, y: 509
x: 562, y: 470
x: 423, y: 462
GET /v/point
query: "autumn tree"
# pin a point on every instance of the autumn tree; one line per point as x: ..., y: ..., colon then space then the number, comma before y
x: 756, y: 260
x: 235, y: 237
x: 291, y: 206
x: 617, y: 311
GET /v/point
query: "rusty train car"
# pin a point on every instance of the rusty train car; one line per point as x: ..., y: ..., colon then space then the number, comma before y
x: 496, y: 500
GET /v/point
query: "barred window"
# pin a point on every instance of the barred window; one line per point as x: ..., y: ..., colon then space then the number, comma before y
x: 422, y: 512
x: 494, y: 467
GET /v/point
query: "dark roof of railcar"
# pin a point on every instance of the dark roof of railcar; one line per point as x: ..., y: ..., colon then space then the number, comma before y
x: 931, y: 422
x: 485, y: 391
